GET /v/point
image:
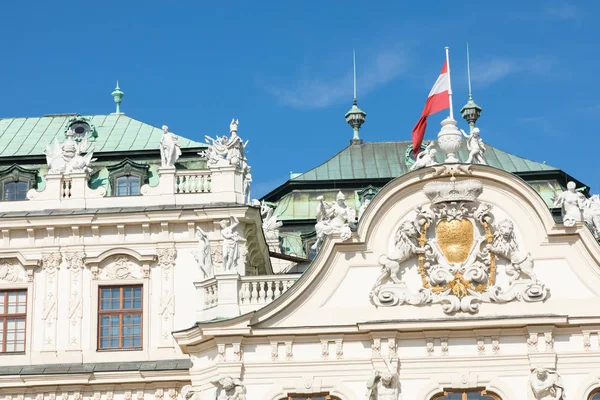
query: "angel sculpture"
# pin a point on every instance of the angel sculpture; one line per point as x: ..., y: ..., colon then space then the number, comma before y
x: 475, y: 146
x: 426, y: 158
x: 67, y: 158
x: 270, y: 224
x: 230, y: 389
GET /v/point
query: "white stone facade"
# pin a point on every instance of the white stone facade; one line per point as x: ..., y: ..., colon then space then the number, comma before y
x: 325, y: 335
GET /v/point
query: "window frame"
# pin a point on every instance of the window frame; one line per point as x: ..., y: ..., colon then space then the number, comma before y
x: 593, y: 393
x: 464, y: 392
x: 15, y: 173
x: 116, y: 192
x: 4, y: 317
x: 127, y: 167
x: 120, y: 312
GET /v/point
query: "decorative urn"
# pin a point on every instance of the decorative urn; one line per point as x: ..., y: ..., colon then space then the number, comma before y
x: 449, y: 139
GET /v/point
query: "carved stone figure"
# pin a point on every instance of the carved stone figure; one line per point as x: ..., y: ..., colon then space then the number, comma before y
x: 545, y: 384
x: 384, y: 385
x: 247, y: 181
x: 11, y: 272
x: 230, y: 389
x: 455, y: 243
x: 591, y: 214
x: 333, y: 217
x: 223, y: 151
x: 475, y: 146
x: 203, y: 255
x: 571, y: 202
x: 425, y: 158
x: 270, y: 224
x: 231, y: 245
x: 363, y: 207
x: 188, y: 393
x: 405, y: 246
x: 505, y: 245
x: 169, y: 148
x: 67, y: 158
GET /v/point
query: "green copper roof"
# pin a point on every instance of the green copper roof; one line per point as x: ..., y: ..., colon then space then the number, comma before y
x: 388, y: 160
x: 115, y: 132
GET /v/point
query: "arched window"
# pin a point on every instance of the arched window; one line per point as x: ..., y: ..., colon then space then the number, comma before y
x: 128, y: 185
x: 469, y: 394
x: 595, y: 395
x: 15, y: 190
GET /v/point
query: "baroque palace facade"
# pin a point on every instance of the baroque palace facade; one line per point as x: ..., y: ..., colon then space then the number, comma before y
x: 134, y: 265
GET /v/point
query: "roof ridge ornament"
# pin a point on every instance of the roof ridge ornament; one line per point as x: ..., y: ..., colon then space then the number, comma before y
x: 117, y: 95
x: 355, y: 117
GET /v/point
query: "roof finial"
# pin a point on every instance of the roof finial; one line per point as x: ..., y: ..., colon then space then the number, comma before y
x: 470, y: 111
x: 117, y: 95
x: 355, y: 117
x: 354, y: 69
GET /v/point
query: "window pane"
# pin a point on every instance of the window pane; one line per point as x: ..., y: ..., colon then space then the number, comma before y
x: 15, y: 190
x: 596, y: 396
x: 118, y: 330
x: 127, y: 186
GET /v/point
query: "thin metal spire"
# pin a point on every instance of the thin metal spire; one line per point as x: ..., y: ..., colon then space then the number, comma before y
x: 469, y: 71
x: 354, y: 66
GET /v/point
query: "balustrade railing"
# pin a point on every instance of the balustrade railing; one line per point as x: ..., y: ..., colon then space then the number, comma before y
x: 211, y: 296
x: 192, y: 182
x: 264, y: 289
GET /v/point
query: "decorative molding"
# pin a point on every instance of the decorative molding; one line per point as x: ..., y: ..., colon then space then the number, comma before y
x: 166, y: 258
x: 50, y: 266
x: 480, y: 345
x: 532, y: 342
x: 496, y: 344
x: 120, y: 267
x: 11, y: 271
x: 74, y: 262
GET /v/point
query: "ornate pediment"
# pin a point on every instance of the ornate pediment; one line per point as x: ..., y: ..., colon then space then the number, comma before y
x: 121, y: 267
x: 455, y: 244
x: 11, y: 271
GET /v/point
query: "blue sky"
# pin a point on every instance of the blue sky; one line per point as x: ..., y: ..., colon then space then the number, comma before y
x: 284, y: 68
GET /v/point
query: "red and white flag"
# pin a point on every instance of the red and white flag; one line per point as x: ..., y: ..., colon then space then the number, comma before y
x: 438, y: 100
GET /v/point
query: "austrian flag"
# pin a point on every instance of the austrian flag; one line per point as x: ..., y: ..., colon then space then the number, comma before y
x: 438, y: 100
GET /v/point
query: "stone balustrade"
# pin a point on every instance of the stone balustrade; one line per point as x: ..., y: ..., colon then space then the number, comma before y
x: 230, y: 295
x: 175, y: 187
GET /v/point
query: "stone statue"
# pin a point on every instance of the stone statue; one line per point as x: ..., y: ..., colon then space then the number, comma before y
x: 571, y: 202
x: 270, y: 224
x: 202, y: 254
x: 169, y: 148
x: 405, y: 246
x: 231, y: 245
x: 384, y: 385
x: 230, y: 389
x: 363, y: 207
x: 247, y: 181
x: 505, y: 245
x: 591, y: 214
x: 67, y: 158
x: 333, y: 217
x: 223, y: 151
x: 425, y: 158
x: 475, y: 146
x: 546, y: 385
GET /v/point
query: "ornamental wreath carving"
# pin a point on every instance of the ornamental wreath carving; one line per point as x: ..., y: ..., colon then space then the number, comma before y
x: 456, y: 244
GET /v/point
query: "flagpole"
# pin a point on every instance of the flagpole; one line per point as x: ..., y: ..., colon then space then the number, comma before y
x: 449, y: 83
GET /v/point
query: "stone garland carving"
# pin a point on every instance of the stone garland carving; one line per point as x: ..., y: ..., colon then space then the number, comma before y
x: 456, y: 245
x: 166, y: 260
x: 159, y: 394
x: 170, y: 151
x: 231, y: 244
x: 384, y: 385
x: 532, y: 343
x: 50, y: 265
x: 67, y: 158
x: 229, y: 388
x: 333, y: 217
x: 429, y: 347
x: 11, y: 272
x: 75, y: 264
x: 225, y: 151
x: 496, y: 344
x: 480, y: 346
x: 270, y: 227
x: 121, y: 268
x: 545, y: 384
x: 203, y: 255
x: 425, y: 158
x: 475, y: 146
x: 549, y: 340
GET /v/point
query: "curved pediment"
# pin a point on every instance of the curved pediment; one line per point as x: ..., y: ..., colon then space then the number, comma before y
x: 443, y: 244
